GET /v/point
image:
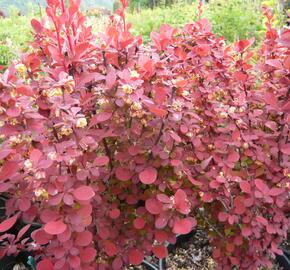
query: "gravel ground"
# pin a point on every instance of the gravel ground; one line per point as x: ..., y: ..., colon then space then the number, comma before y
x: 194, y: 254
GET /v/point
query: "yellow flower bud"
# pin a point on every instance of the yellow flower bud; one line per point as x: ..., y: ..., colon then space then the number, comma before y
x: 66, y: 131
x: 28, y: 164
x: 21, y: 69
x: 82, y: 122
x: 51, y: 155
x: 41, y: 192
x: 136, y: 106
x: 134, y: 74
x: 127, y: 89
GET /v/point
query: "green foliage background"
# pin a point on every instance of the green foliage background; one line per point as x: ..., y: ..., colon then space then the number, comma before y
x: 24, y: 6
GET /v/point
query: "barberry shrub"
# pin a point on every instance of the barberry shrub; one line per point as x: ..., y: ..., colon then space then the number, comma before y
x: 114, y: 148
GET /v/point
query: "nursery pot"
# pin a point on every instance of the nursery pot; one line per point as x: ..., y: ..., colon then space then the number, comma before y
x: 284, y: 259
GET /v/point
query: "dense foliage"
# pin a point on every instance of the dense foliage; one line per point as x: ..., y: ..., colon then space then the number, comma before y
x: 238, y: 19
x: 116, y: 147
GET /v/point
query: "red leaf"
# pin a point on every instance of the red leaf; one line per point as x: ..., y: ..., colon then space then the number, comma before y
x: 274, y: 63
x: 55, y: 227
x: 207, y: 197
x: 101, y: 161
x: 110, y: 248
x: 261, y: 186
x: 246, y: 231
x: 160, y: 251
x: 205, y: 163
x: 262, y: 220
x: 8, y: 223
x: 84, y: 238
x: 35, y: 156
x: 13, y: 112
x: 41, y: 237
x: 123, y: 174
x: 184, y: 226
x: 181, y: 202
x: 139, y: 223
x: 239, y: 206
x: 271, y: 99
x: 24, y: 90
x: 4, y: 153
x: 153, y: 206
x: 157, y: 111
x: 175, y: 137
x: 287, y: 62
x: 83, y: 193
x: 161, y: 236
x: 24, y: 204
x: 240, y: 76
x: 233, y: 157
x: 216, y: 254
x: 115, y: 213
x: 276, y: 191
x: 111, y: 78
x: 23, y: 231
x: 88, y: 254
x: 80, y: 50
x: 245, y: 187
x: 160, y: 95
x: 242, y: 45
x: 230, y: 247
x: 36, y: 25
x: 117, y: 264
x: 74, y: 262
x: 222, y: 216
x: 148, y: 176
x: 135, y: 257
x: 48, y: 215
x: 285, y: 149
x: 45, y: 264
x: 276, y: 249
x: 99, y: 118
x: 8, y: 170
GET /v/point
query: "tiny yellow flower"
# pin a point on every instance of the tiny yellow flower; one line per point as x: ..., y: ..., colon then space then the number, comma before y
x: 134, y: 74
x: 69, y: 85
x: 41, y: 192
x: 66, y: 131
x: 51, y: 155
x: 127, y: 89
x: 21, y: 69
x: 207, y: 63
x: 54, y: 92
x: 40, y: 175
x: 223, y: 115
x: 136, y: 106
x: 28, y: 164
x: 177, y: 106
x: 82, y: 122
x: 245, y: 145
x: 232, y: 109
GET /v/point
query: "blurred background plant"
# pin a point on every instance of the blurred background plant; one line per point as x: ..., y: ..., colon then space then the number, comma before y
x: 233, y: 19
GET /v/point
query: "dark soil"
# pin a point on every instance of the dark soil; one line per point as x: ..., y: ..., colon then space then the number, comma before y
x: 194, y: 254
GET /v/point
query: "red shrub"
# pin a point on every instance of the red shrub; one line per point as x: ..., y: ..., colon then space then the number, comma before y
x: 116, y: 147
